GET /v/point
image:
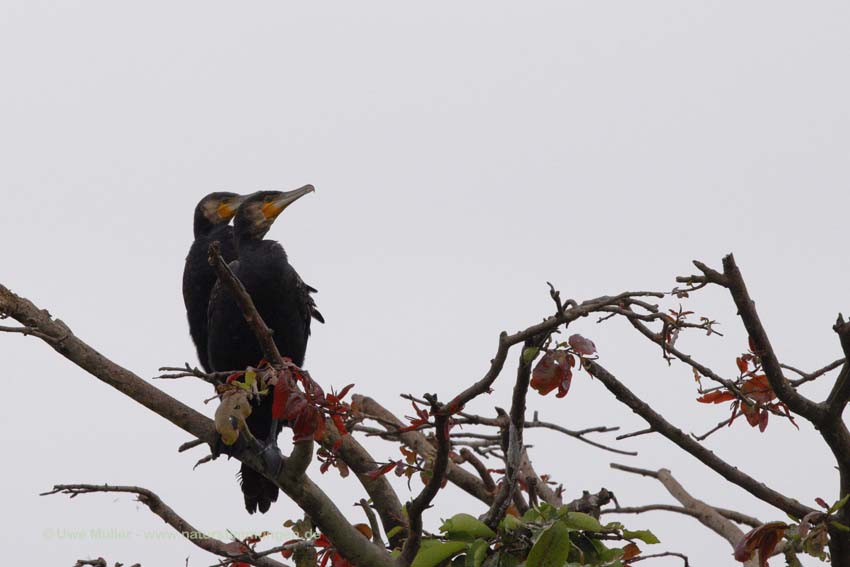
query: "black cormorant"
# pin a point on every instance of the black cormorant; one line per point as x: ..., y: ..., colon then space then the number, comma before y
x: 283, y: 301
x: 212, y: 216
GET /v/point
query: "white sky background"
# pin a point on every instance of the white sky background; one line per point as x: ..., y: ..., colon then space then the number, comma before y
x: 463, y: 155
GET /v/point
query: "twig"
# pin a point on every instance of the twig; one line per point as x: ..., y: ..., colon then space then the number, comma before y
x: 373, y: 522
x: 187, y: 371
x: 728, y: 514
x: 646, y: 431
x: 809, y: 376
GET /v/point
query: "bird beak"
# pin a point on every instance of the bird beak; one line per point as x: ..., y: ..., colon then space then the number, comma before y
x: 227, y: 210
x: 273, y: 208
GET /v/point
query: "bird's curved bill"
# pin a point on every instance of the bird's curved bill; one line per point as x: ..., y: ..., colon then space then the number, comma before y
x: 273, y: 208
x: 227, y: 209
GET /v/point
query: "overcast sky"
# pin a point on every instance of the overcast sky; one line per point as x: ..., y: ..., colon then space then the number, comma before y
x: 463, y: 154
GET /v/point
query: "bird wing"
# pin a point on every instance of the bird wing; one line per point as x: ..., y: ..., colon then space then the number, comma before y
x: 305, y: 291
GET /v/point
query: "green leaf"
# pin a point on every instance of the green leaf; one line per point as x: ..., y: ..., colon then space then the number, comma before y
x: 391, y: 534
x: 477, y: 553
x: 510, y: 523
x: 547, y: 511
x: 433, y: 552
x: 839, y: 526
x: 838, y: 505
x: 582, y: 521
x: 551, y: 548
x: 466, y: 526
x: 645, y: 536
x: 531, y: 515
x: 530, y: 354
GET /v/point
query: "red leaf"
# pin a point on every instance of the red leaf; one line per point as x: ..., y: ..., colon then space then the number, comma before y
x: 630, y: 551
x: 564, y: 386
x: 763, y: 420
x: 742, y: 364
x: 550, y: 372
x: 344, y: 391
x: 716, y: 397
x: 758, y: 388
x: 762, y: 539
x: 822, y: 503
x: 752, y: 414
x: 384, y: 469
x: 582, y: 345
x: 340, y: 425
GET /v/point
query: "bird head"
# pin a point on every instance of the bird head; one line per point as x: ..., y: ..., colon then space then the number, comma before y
x: 260, y: 209
x: 215, y: 209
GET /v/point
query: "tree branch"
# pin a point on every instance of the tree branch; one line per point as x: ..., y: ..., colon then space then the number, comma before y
x: 569, y: 314
x: 786, y: 393
x: 840, y: 393
x: 708, y: 458
x: 707, y: 515
x: 172, y: 518
x: 309, y: 497
x: 438, y: 475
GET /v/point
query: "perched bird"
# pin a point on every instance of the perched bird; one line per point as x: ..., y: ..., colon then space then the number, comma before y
x: 212, y: 216
x: 283, y: 301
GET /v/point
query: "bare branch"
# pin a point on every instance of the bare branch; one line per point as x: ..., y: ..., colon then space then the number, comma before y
x: 172, y: 518
x: 677, y: 436
x: 472, y: 419
x: 360, y: 461
x: 506, y: 341
x: 373, y: 522
x: 809, y: 376
x: 728, y: 514
x: 187, y: 371
x: 707, y: 515
x: 840, y: 394
x: 466, y: 456
x: 798, y: 403
x: 438, y: 475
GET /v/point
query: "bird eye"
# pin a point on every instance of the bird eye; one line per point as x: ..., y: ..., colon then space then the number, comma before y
x: 267, y: 198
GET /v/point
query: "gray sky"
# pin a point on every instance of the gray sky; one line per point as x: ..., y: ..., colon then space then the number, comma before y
x: 463, y: 155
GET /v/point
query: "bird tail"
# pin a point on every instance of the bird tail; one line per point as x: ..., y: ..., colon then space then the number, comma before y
x: 259, y: 492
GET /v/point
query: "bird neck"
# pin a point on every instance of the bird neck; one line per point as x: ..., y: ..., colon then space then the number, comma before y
x: 246, y: 245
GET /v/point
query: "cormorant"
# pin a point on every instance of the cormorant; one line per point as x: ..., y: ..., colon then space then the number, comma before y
x: 283, y: 301
x: 212, y: 216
